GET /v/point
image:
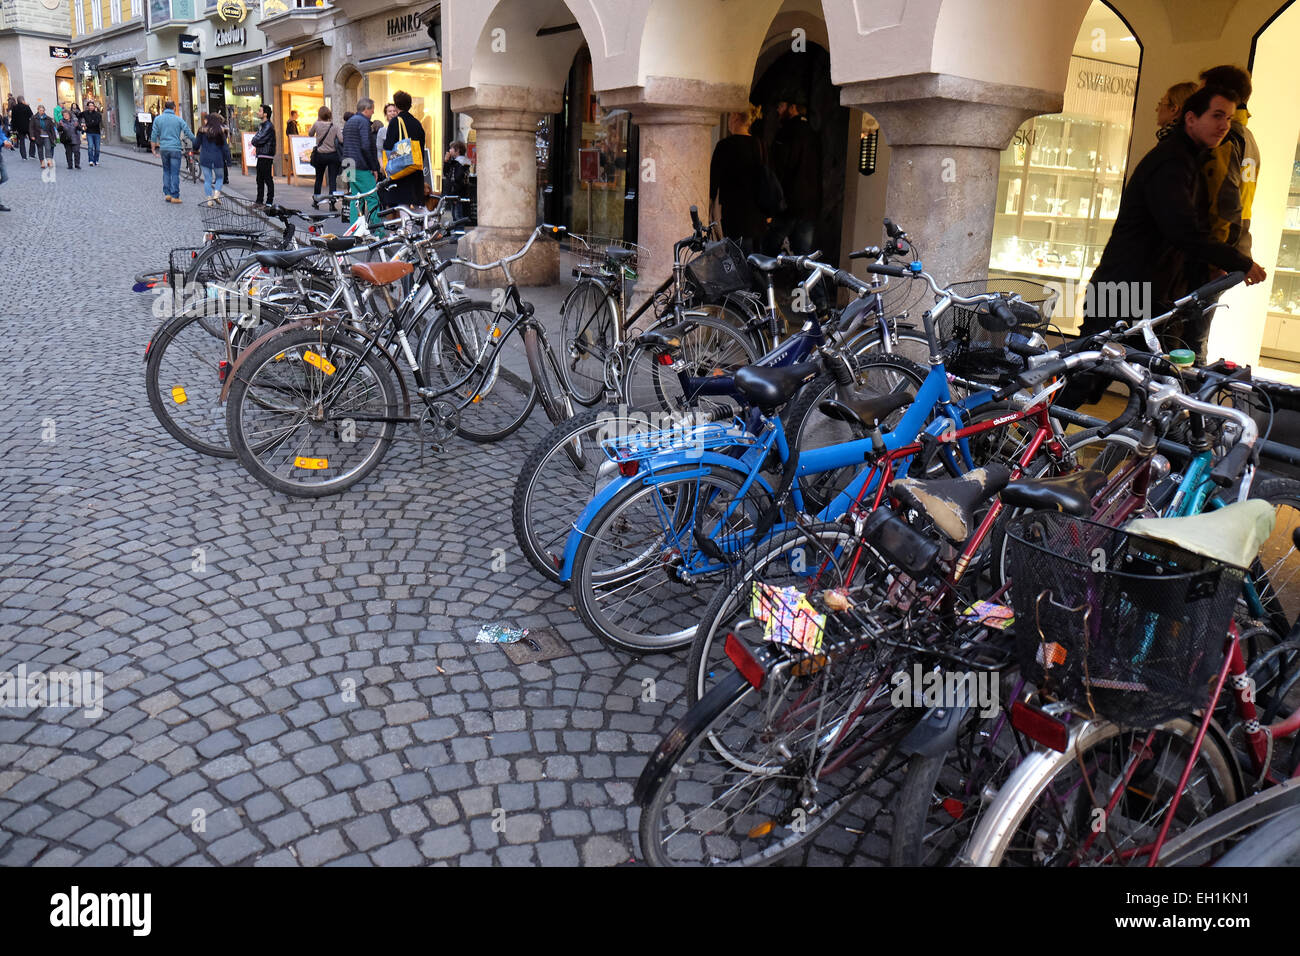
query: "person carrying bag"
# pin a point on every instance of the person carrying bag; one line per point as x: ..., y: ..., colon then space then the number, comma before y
x: 326, y: 157
x: 404, y: 154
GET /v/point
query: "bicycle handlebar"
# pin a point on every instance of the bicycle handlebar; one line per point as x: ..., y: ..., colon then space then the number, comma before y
x: 505, y: 260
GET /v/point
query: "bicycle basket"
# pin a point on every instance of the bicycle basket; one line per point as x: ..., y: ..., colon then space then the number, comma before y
x: 720, y: 269
x: 1121, y: 626
x: 973, y: 352
x: 231, y: 214
x: 590, y: 251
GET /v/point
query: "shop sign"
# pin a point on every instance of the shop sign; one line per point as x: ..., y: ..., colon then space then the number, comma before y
x: 293, y: 66
x: 231, y: 36
x: 399, y: 26
x: 1098, y: 81
x: 246, y: 89
x: 232, y: 10
x: 61, y: 52
x: 157, y: 79
x: 187, y: 43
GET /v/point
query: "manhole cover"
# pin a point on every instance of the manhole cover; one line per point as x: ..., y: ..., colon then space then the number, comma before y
x: 549, y: 644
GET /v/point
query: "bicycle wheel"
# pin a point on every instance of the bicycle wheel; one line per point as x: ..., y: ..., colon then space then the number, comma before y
x: 565, y: 471
x: 905, y: 343
x: 1056, y: 809
x: 185, y: 370
x: 545, y: 371
x: 218, y: 262
x: 750, y: 775
x: 296, y: 430
x: 809, y: 428
x: 800, y: 558
x: 588, y: 320
x: 639, y: 579
x: 717, y: 345
x: 1276, y: 571
x: 494, y: 384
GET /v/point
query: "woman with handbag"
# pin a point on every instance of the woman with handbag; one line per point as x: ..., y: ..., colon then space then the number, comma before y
x: 404, y: 154
x: 326, y: 157
x: 214, y: 153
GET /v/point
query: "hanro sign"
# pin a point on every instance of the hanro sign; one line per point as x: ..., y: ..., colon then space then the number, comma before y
x: 407, y: 24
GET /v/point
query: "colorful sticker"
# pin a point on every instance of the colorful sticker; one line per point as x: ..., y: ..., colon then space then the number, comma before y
x: 311, y: 464
x: 990, y: 615
x: 311, y: 358
x: 788, y: 617
x: 179, y: 396
x: 1050, y: 655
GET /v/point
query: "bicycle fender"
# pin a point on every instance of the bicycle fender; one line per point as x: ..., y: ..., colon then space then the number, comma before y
x: 578, y: 285
x: 289, y: 326
x: 658, y: 476
x: 936, y: 733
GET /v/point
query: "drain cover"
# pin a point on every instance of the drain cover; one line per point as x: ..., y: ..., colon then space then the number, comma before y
x: 549, y: 644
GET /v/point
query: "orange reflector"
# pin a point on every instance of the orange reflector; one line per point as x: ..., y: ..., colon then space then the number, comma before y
x: 762, y: 830
x: 476, y: 399
x: 311, y: 358
x: 311, y: 464
x: 179, y: 396
x: 749, y: 668
x: 1039, y: 725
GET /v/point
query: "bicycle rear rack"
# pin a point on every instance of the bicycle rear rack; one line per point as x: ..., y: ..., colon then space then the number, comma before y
x: 639, y: 446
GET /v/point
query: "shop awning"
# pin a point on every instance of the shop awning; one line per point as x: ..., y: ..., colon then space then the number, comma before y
x: 152, y: 65
x: 120, y: 58
x: 414, y: 56
x: 262, y: 59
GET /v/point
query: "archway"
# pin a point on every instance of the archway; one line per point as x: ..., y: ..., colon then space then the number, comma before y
x: 5, y: 87
x: 65, y: 86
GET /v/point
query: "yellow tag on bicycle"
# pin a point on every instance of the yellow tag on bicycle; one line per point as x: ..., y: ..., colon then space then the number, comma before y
x: 311, y: 464
x: 311, y: 358
x: 496, y: 331
x: 179, y: 396
x: 279, y: 358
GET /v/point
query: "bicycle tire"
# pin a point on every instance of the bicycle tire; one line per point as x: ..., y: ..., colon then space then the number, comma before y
x: 286, y: 375
x: 589, y: 316
x: 547, y: 376
x: 450, y: 347
x: 1062, y: 829
x: 647, y: 568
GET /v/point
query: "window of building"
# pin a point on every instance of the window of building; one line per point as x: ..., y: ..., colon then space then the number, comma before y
x: 1060, y: 180
x: 96, y: 15
x: 135, y: 8
x: 115, y: 11
x: 81, y: 18
x: 424, y: 82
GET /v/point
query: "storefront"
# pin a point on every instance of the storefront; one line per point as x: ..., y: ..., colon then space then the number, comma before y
x: 158, y: 83
x: 65, y: 84
x: 299, y: 83
x: 230, y: 85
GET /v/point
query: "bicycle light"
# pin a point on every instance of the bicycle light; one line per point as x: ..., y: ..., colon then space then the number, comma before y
x: 749, y: 668
x: 628, y: 469
x: 1039, y: 725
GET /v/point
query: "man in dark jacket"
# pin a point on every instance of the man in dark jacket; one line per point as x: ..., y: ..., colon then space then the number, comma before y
x: 1160, y: 247
x: 93, y: 120
x: 360, y: 165
x: 264, y: 145
x: 797, y: 162
x: 20, y: 121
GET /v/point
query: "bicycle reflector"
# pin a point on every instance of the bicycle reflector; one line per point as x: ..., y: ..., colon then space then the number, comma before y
x: 749, y: 668
x: 628, y: 469
x: 664, y: 358
x: 1037, y: 724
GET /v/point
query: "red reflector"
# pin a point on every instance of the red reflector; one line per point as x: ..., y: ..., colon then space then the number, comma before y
x: 1040, y: 726
x: 223, y: 369
x: 147, y: 347
x: 628, y: 469
x: 663, y: 358
x: 749, y: 668
x: 194, y: 255
x: 953, y: 807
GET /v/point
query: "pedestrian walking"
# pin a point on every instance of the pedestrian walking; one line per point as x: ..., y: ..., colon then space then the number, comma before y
x: 214, y: 154
x: 20, y: 121
x: 409, y: 189
x: 737, y: 176
x: 455, y: 175
x: 70, y: 137
x: 326, y: 158
x: 5, y: 143
x: 291, y: 127
x: 44, y: 135
x: 93, y: 122
x: 264, y: 149
x: 358, y: 151
x: 165, y: 138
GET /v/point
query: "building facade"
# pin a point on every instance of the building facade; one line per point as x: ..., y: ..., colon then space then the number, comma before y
x: 35, y: 61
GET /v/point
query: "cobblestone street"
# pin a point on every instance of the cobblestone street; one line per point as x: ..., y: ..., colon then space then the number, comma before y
x: 285, y: 681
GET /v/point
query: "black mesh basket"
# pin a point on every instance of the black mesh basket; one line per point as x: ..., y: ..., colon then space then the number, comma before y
x: 979, y: 355
x: 718, y: 270
x: 1121, y: 626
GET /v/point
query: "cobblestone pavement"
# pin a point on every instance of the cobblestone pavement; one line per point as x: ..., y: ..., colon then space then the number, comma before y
x: 226, y: 669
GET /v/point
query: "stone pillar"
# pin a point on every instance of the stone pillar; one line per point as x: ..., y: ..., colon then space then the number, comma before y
x: 676, y: 119
x: 505, y: 130
x: 946, y: 134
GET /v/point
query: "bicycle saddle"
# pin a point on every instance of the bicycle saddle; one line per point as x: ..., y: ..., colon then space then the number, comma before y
x: 284, y: 258
x: 1232, y: 534
x: 866, y: 410
x: 339, y: 243
x: 949, y: 502
x: 618, y: 253
x: 763, y: 263
x: 769, y: 388
x: 669, y: 337
x: 381, y: 273
x: 1071, y: 493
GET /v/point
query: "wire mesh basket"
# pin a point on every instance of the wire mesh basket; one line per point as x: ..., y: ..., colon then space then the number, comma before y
x: 179, y: 263
x: 719, y: 270
x: 591, y: 251
x: 971, y: 351
x: 1121, y: 626
x: 230, y: 214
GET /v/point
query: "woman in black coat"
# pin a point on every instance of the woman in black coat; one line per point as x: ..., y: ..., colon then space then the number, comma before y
x: 409, y: 190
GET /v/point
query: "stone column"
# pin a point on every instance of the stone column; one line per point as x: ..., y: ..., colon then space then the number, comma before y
x: 505, y: 130
x: 946, y: 134
x: 676, y: 119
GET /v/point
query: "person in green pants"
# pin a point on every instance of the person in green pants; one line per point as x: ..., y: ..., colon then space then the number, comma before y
x: 360, y: 164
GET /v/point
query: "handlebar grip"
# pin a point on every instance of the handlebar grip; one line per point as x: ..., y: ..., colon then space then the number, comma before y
x: 695, y: 219
x: 898, y: 272
x: 1136, y: 402
x: 870, y: 252
x: 892, y: 230
x: 1033, y: 377
x: 1024, y: 349
x: 457, y: 223
x: 1212, y: 288
x: 850, y: 281
x: 1003, y: 314
x: 1231, y: 466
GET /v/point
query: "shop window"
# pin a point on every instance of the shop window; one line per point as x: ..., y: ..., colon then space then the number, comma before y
x: 424, y: 82
x: 1060, y: 180
x: 598, y: 179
